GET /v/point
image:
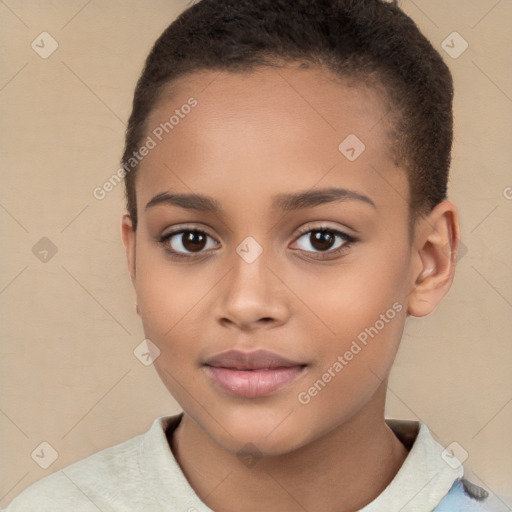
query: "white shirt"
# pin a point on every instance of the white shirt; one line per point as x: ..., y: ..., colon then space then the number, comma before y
x: 141, y: 474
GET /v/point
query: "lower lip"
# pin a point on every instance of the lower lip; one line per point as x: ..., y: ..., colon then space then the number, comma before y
x: 253, y: 383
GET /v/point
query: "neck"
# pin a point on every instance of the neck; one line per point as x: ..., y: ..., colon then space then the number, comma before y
x: 341, y: 472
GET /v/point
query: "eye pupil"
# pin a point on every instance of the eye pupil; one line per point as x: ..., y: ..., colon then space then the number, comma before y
x: 193, y: 240
x: 321, y: 240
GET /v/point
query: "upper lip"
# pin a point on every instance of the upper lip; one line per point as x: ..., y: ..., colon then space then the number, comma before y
x: 256, y: 360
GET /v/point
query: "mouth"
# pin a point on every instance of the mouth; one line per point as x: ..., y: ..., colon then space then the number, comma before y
x: 252, y: 374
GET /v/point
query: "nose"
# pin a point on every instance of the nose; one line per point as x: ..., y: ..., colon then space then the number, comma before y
x: 252, y: 296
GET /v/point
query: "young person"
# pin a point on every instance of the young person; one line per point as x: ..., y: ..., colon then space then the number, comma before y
x: 286, y: 168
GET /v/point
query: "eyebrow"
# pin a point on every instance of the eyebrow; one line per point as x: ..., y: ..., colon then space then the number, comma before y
x: 283, y: 202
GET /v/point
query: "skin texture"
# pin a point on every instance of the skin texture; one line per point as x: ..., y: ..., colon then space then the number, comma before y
x: 251, y: 136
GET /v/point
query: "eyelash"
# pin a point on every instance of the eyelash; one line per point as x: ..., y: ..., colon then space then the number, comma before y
x: 348, y: 241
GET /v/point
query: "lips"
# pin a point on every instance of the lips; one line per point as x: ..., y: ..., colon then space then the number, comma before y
x: 252, y: 374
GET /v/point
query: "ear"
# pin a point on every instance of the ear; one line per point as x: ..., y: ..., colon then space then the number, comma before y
x: 128, y: 235
x: 435, y: 245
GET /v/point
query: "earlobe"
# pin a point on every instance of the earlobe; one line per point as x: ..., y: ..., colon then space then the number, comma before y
x: 435, y: 248
x: 128, y: 236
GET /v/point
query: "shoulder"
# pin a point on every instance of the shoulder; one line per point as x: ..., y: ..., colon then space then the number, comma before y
x: 91, y: 484
x: 465, y: 496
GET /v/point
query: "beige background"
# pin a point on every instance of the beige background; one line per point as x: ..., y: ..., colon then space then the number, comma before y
x: 68, y: 373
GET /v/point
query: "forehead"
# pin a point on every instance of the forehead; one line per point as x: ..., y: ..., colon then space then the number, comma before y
x: 270, y: 95
x: 266, y: 131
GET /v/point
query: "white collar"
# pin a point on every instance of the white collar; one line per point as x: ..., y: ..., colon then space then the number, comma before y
x: 424, y: 478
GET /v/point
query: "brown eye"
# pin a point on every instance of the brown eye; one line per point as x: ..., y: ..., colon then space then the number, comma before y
x: 324, y: 240
x: 187, y: 242
x: 193, y: 241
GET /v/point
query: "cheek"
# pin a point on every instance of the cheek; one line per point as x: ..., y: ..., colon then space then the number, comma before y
x: 169, y: 299
x: 168, y: 293
x: 361, y: 309
x: 351, y: 297
x: 352, y: 365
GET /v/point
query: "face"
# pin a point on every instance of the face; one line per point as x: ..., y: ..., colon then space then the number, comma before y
x: 297, y: 258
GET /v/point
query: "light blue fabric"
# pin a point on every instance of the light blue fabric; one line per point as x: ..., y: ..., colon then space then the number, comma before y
x: 458, y: 501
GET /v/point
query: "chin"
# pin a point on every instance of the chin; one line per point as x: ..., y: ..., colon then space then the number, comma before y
x: 265, y: 431
x: 255, y: 443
